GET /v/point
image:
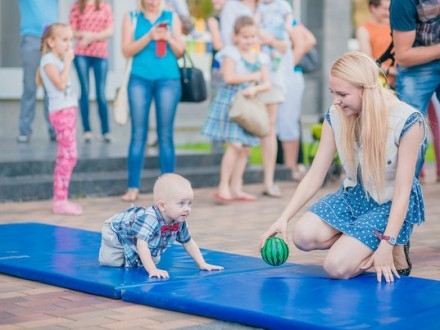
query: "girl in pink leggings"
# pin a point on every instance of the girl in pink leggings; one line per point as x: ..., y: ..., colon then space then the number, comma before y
x: 56, y: 61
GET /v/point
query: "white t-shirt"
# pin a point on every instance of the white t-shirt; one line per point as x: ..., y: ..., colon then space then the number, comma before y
x: 58, y: 99
x: 240, y: 66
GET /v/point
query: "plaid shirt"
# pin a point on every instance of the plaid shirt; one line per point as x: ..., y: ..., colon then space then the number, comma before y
x: 145, y: 224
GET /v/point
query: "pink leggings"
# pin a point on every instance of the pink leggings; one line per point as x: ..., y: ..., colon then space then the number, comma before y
x: 64, y: 122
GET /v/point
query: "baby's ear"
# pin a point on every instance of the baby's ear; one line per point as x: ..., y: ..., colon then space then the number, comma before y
x: 161, y: 205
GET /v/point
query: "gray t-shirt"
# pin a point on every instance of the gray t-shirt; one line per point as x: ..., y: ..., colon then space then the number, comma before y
x: 58, y: 99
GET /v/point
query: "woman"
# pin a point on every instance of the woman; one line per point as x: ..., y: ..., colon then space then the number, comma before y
x: 155, y: 45
x: 92, y: 25
x: 371, y: 216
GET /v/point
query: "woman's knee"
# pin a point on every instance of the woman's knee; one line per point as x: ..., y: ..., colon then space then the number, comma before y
x: 304, y: 237
x: 337, y: 268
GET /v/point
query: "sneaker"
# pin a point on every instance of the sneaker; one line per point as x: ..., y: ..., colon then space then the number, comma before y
x: 23, y: 138
x: 88, y: 136
x: 106, y: 138
x: 66, y: 208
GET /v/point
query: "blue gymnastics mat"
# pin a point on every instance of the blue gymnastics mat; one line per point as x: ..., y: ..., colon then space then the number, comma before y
x: 68, y: 258
x: 248, y: 291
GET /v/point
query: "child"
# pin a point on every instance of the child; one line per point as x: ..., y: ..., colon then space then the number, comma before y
x: 57, y: 56
x: 273, y: 17
x: 139, y: 236
x: 243, y: 71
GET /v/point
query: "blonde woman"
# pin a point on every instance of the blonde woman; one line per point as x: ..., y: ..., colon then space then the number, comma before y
x: 369, y: 220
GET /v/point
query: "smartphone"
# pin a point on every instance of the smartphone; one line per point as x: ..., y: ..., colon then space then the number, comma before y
x: 161, y: 45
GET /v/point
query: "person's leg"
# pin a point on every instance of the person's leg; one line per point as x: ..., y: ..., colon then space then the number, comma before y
x: 415, y: 86
x: 312, y: 233
x: 345, y: 258
x: 64, y: 122
x: 82, y: 65
x: 140, y: 93
x: 166, y: 99
x: 227, y: 167
x: 100, y: 69
x: 111, y: 252
x: 51, y: 129
x: 269, y: 151
x: 434, y: 116
x: 237, y: 176
x: 30, y: 58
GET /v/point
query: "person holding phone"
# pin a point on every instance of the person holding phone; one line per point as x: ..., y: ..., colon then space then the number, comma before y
x: 155, y: 45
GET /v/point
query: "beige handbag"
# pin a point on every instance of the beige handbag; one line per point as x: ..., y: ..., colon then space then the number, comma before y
x: 121, y: 108
x: 250, y: 113
x: 273, y: 96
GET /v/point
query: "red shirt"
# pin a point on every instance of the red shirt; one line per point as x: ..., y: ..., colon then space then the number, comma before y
x: 94, y: 21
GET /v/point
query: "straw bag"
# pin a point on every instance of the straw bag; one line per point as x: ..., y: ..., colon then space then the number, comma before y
x: 250, y: 113
x: 121, y: 108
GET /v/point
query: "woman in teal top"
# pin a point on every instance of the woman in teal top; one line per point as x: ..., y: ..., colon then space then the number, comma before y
x: 155, y: 45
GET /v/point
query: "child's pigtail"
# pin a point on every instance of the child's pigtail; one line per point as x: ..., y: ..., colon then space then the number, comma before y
x: 43, y: 50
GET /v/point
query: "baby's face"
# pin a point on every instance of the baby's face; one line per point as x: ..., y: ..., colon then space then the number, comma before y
x: 178, y: 205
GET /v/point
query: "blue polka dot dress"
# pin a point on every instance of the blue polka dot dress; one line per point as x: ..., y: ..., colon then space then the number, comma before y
x: 353, y: 213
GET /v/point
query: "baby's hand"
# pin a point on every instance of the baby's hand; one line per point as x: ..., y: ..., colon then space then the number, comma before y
x: 256, y: 76
x: 158, y: 273
x: 210, y: 267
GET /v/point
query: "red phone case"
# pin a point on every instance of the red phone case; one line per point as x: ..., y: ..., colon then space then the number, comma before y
x: 161, y: 45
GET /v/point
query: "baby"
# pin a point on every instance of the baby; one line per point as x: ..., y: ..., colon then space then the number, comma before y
x: 139, y: 236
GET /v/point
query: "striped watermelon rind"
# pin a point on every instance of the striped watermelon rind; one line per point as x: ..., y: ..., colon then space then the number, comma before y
x: 275, y: 251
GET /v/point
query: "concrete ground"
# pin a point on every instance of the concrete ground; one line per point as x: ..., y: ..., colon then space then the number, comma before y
x: 232, y: 228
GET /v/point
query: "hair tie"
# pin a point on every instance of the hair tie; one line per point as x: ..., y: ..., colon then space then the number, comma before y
x: 377, y: 84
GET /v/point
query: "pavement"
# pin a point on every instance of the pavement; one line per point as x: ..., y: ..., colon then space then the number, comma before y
x: 234, y: 228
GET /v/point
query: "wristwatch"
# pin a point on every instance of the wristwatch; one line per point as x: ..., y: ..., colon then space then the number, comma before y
x: 390, y: 239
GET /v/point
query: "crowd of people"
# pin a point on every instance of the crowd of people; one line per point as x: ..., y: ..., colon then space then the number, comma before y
x: 380, y: 136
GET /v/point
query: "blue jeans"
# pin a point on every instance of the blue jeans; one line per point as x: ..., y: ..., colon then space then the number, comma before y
x: 166, y: 94
x: 30, y: 58
x: 415, y: 86
x: 83, y: 64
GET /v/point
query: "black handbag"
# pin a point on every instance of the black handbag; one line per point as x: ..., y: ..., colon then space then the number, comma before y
x: 310, y: 61
x: 193, y: 83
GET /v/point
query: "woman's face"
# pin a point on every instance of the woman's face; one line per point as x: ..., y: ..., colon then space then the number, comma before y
x: 346, y: 96
x: 147, y: 4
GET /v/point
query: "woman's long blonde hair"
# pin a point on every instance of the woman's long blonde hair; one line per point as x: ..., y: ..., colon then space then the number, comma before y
x: 370, y: 127
x: 49, y: 33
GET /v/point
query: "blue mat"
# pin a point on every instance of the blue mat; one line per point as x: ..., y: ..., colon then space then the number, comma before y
x: 68, y: 258
x: 248, y: 291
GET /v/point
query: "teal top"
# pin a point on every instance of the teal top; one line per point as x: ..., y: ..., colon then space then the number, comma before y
x: 145, y: 63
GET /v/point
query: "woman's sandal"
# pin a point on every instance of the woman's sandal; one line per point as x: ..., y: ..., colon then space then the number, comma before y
x: 131, y: 195
x: 299, y: 173
x: 406, y: 271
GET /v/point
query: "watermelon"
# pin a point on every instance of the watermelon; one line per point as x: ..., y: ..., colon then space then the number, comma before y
x: 275, y: 251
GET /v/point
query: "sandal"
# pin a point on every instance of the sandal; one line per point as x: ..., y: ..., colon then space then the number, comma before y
x: 131, y: 195
x: 406, y: 271
x: 273, y: 191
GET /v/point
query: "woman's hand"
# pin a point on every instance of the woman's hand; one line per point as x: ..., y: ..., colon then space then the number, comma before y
x: 86, y: 39
x: 279, y: 226
x: 382, y: 262
x: 160, y: 32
